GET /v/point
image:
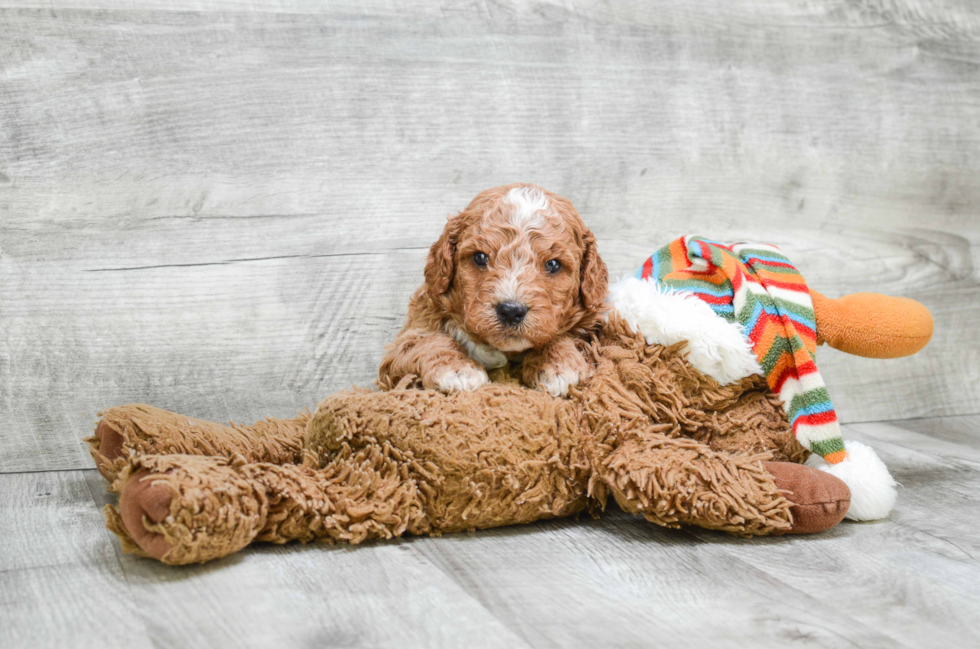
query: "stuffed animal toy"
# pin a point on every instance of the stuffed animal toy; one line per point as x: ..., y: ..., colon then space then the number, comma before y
x: 703, y: 404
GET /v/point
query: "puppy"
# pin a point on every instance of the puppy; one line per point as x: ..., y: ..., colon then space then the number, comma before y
x: 514, y: 277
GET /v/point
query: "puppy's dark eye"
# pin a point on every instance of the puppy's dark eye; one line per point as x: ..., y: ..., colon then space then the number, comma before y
x: 481, y: 259
x: 552, y: 266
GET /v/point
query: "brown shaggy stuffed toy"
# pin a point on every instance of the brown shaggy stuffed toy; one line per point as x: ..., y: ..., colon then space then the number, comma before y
x: 668, y: 442
x: 678, y: 415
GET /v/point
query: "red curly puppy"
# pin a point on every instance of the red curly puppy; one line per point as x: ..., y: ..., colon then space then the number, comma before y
x: 515, y: 277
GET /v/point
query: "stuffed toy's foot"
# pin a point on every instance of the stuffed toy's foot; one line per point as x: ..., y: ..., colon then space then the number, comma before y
x: 872, y: 325
x: 143, y: 507
x: 819, y: 500
x: 186, y: 509
x: 182, y: 509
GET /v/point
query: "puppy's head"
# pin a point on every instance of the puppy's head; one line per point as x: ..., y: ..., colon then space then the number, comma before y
x: 516, y: 268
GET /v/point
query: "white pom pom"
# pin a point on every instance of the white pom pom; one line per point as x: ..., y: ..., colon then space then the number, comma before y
x: 872, y: 486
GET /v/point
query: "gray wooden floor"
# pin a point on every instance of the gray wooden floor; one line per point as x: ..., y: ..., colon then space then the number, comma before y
x: 221, y: 207
x: 910, y: 581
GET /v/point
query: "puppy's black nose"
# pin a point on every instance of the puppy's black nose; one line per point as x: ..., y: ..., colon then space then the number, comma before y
x: 511, y: 313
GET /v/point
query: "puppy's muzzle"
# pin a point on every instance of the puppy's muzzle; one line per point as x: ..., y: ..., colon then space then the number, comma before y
x: 511, y: 313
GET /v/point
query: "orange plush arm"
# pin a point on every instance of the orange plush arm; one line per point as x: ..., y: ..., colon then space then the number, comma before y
x: 872, y: 325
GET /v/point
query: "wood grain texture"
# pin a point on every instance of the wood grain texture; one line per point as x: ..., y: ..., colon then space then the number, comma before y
x: 911, y: 580
x: 221, y: 207
x: 898, y: 575
x: 65, y: 582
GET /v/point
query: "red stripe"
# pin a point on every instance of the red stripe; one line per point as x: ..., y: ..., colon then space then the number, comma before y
x: 764, y: 319
x: 790, y: 373
x: 709, y: 271
x: 817, y: 419
x: 806, y: 368
x: 778, y: 264
x: 647, y: 268
x: 801, y: 329
x: 711, y: 299
x: 737, y: 280
x: 796, y: 372
x: 796, y: 288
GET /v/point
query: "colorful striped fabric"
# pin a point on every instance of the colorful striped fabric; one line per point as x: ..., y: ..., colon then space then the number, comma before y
x: 756, y: 286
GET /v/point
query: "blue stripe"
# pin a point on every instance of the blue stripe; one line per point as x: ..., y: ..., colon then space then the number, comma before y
x: 774, y: 310
x: 800, y: 320
x: 760, y: 306
x: 694, y: 248
x: 750, y: 257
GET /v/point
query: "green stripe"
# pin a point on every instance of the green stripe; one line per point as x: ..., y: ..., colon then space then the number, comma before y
x: 760, y: 253
x: 825, y: 447
x: 813, y: 397
x: 779, y: 345
x: 781, y: 270
x: 796, y: 309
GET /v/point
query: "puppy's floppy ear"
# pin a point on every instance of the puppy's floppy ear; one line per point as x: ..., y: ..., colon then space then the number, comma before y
x: 441, y: 265
x: 594, y: 282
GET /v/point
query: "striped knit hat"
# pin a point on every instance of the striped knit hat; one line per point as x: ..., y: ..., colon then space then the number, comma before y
x: 744, y: 309
x: 756, y: 286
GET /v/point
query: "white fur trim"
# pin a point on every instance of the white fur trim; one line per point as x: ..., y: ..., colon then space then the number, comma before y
x: 715, y: 346
x: 872, y: 487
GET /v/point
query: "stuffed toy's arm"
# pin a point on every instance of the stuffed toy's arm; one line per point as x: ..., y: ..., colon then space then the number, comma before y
x: 872, y: 325
x: 674, y: 481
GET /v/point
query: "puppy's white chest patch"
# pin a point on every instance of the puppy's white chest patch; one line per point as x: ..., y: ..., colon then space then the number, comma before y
x: 485, y: 355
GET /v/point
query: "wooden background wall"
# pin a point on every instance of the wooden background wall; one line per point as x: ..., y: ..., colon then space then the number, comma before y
x: 220, y: 207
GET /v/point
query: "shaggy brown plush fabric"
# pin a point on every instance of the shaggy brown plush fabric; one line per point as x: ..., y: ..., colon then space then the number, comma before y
x: 644, y: 411
x: 496, y: 456
x: 666, y: 441
x: 144, y: 430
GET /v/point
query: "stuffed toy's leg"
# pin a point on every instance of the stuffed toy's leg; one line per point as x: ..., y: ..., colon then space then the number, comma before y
x: 679, y: 481
x: 145, y: 430
x: 184, y: 509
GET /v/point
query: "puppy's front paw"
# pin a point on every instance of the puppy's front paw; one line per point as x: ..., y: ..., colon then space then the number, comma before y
x: 557, y: 381
x: 463, y: 379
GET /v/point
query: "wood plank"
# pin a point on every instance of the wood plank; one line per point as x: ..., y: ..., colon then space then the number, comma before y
x: 914, y: 576
x: 940, y: 482
x: 221, y: 207
x: 624, y: 582
x: 61, y: 583
x: 912, y: 580
x: 963, y: 431
x: 69, y: 606
x: 64, y: 582
x: 48, y: 520
x: 957, y: 17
